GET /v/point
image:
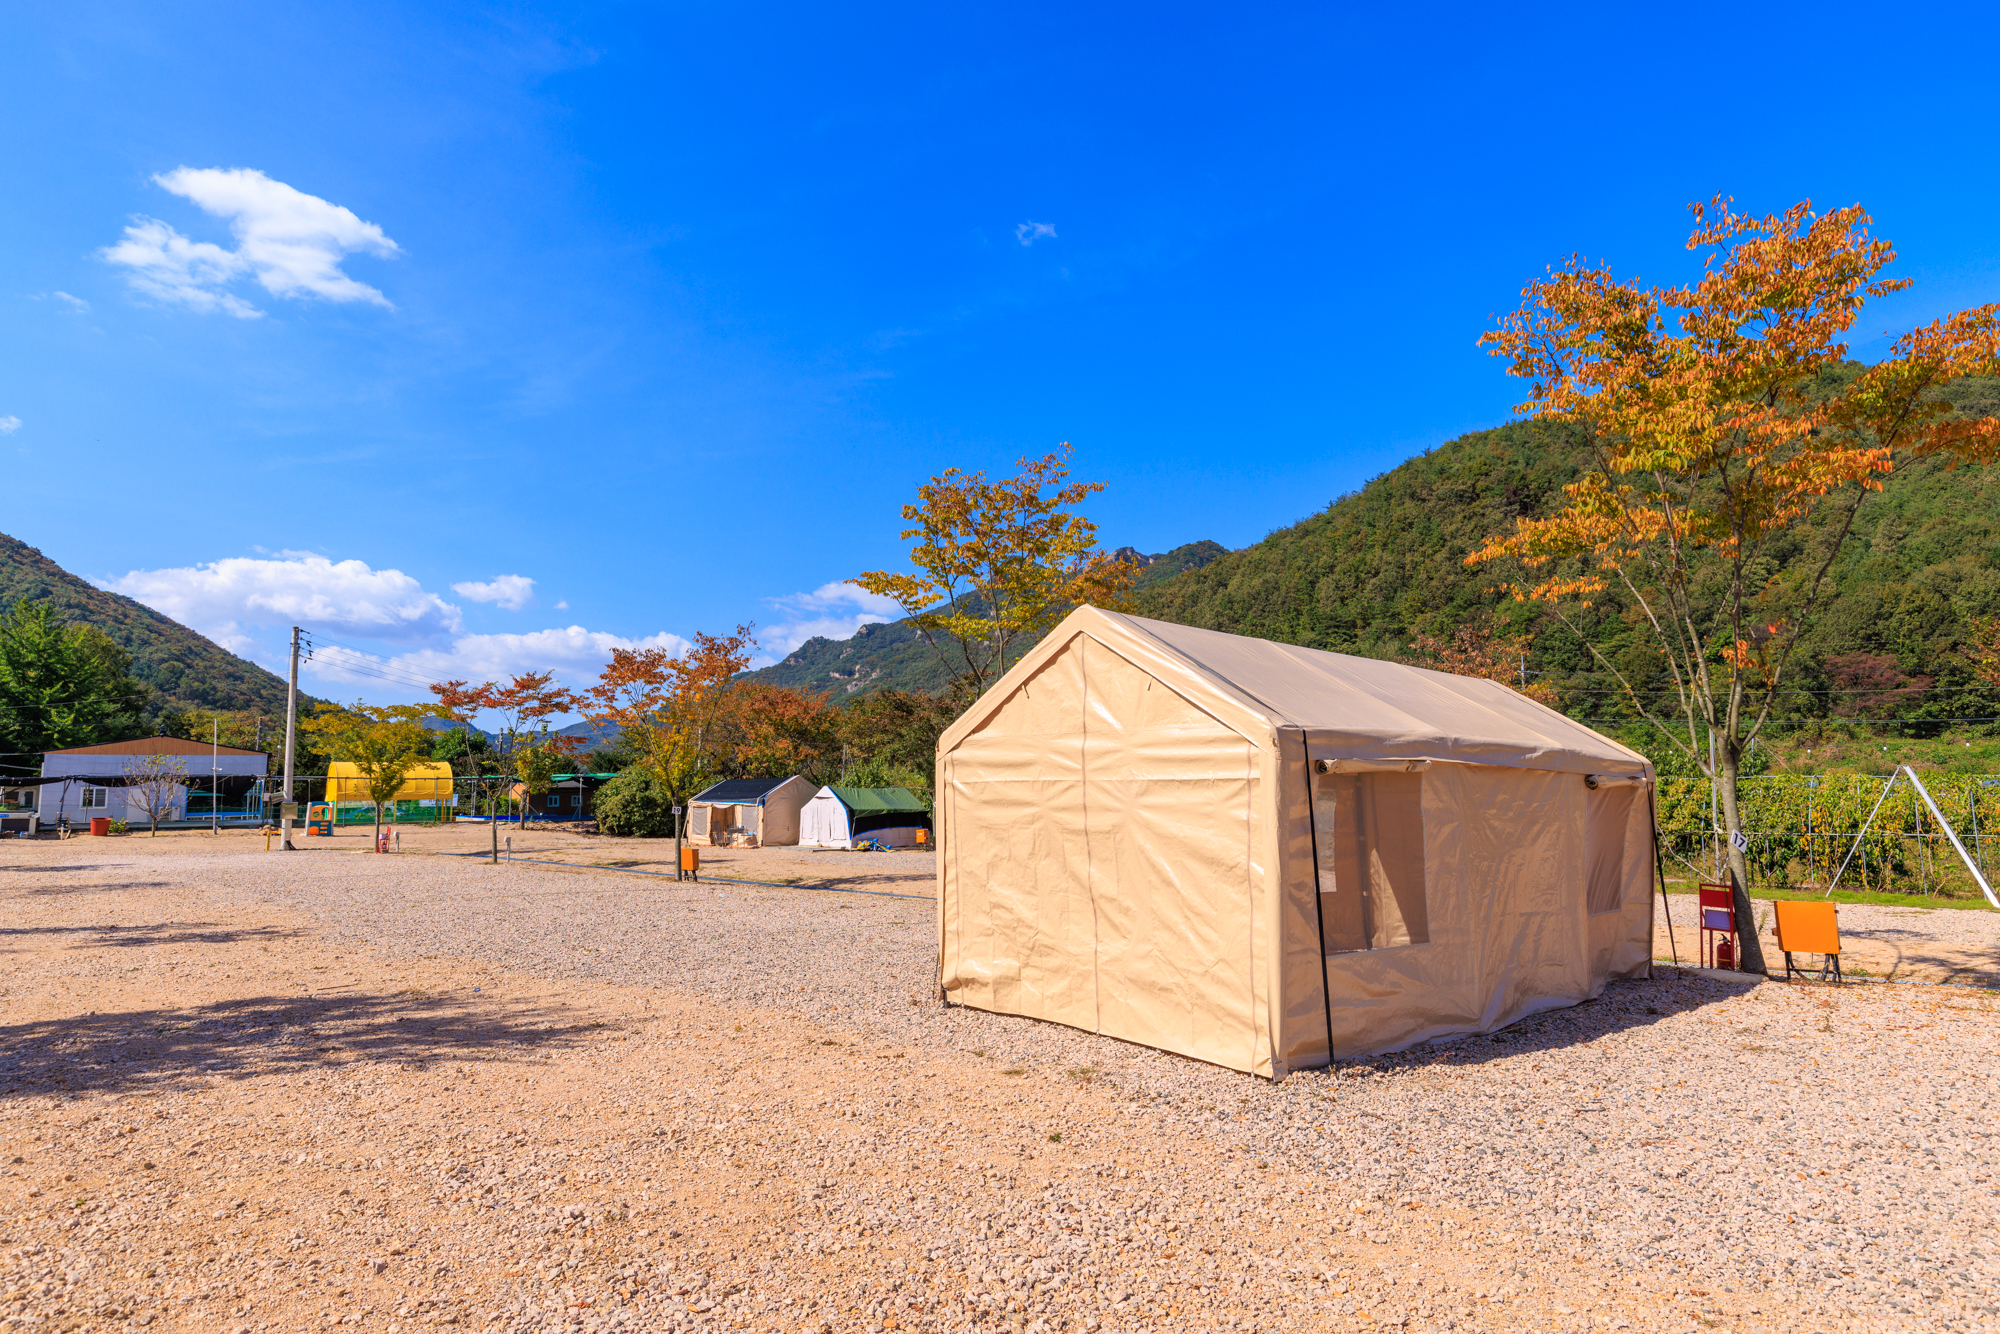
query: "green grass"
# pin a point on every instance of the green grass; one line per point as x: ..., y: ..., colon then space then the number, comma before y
x: 1852, y: 896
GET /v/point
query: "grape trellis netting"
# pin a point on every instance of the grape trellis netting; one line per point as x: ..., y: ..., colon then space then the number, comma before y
x: 1801, y: 829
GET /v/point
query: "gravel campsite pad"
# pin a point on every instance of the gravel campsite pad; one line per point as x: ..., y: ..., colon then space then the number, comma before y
x: 242, y: 1091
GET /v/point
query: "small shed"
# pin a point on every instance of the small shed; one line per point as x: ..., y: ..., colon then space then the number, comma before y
x: 748, y: 813
x: 841, y: 817
x: 1265, y: 856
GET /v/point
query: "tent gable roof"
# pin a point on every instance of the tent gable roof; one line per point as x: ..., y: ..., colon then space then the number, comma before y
x: 736, y: 791
x: 1363, y: 708
x: 878, y: 800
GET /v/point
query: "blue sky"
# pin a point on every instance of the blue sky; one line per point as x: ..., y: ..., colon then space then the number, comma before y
x: 483, y: 339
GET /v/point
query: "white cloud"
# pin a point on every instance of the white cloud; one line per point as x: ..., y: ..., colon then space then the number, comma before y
x: 562, y: 606
x: 290, y: 241
x: 1028, y: 233
x: 9, y: 425
x: 512, y: 591
x: 831, y: 611
x: 299, y: 588
x: 75, y: 303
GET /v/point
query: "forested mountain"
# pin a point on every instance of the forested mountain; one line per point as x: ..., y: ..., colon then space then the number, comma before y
x: 1383, y: 564
x: 184, y: 670
x: 1386, y: 563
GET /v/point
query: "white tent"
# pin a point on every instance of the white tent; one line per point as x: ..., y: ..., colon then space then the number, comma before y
x: 1257, y: 854
x: 840, y: 817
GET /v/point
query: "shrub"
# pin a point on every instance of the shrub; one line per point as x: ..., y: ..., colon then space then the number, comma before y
x: 635, y: 806
x: 120, y: 827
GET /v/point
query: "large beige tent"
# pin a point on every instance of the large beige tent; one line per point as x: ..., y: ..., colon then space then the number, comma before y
x: 1144, y: 829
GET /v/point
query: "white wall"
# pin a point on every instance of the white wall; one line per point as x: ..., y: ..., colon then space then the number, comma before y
x: 122, y: 803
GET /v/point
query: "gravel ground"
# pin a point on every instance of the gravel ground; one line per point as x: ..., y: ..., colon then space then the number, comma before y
x: 277, y: 1092
x: 1960, y: 945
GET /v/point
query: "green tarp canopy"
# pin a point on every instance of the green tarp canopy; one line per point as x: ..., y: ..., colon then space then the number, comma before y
x: 879, y: 800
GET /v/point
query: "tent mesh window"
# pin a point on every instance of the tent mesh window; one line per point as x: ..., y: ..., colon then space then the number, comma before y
x: 1371, y: 872
x: 1607, y: 815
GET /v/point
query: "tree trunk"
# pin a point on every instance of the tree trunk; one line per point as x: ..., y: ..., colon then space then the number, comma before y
x: 1752, y: 959
x: 378, y: 828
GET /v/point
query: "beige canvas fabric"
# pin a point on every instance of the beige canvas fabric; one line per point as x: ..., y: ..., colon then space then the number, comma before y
x: 1136, y: 838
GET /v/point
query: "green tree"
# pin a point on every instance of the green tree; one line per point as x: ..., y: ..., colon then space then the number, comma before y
x: 635, y: 805
x: 62, y: 685
x: 383, y: 744
x: 536, y: 767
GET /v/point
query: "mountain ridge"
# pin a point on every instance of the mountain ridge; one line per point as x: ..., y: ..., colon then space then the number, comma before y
x: 183, y: 668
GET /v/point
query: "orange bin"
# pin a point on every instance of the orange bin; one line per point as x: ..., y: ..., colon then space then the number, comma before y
x: 100, y: 825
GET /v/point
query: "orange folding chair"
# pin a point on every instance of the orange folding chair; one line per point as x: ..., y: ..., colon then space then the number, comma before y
x: 1810, y: 928
x: 1718, y: 926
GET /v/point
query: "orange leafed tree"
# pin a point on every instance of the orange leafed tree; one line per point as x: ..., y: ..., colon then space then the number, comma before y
x: 672, y: 708
x: 1475, y: 650
x: 1731, y: 445
x: 999, y: 563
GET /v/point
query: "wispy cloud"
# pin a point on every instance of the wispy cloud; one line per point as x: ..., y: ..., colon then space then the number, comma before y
x: 76, y: 303
x: 9, y: 425
x: 289, y: 241
x: 511, y: 591
x: 1028, y: 233
x: 831, y: 611
x: 299, y: 588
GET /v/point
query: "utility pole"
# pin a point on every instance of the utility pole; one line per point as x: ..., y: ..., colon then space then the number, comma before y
x: 215, y: 774
x: 285, y: 803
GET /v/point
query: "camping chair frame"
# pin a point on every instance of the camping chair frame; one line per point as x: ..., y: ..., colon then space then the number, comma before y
x: 1829, y: 968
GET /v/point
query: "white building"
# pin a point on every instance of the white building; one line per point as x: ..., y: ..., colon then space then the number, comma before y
x: 114, y: 765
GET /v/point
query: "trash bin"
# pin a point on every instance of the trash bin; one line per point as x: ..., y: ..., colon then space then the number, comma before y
x: 691, y: 862
x: 100, y: 826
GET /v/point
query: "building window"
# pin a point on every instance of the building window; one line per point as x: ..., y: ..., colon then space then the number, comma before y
x: 1369, y: 828
x: 93, y: 798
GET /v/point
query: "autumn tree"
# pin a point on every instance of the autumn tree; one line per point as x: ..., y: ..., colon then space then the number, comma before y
x: 769, y: 731
x: 383, y: 743
x: 998, y: 563
x: 1728, y: 456
x: 670, y: 709
x: 525, y: 704
x: 1481, y: 651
